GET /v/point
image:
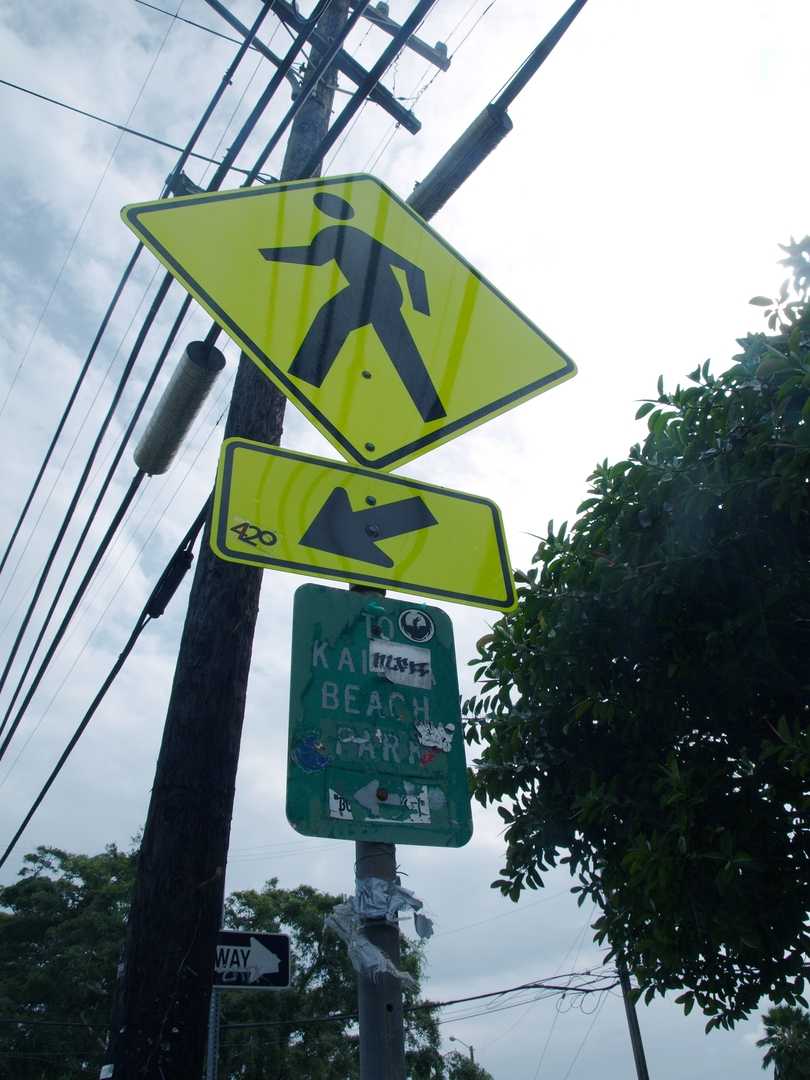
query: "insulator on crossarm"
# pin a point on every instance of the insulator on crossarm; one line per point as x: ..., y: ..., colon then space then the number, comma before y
x: 182, y: 399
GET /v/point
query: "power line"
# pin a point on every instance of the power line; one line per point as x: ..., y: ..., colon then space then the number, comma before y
x: 398, y: 42
x: 423, y: 1006
x: 147, y: 325
x: 71, y: 401
x: 185, y: 153
x: 217, y: 179
x: 157, y: 303
x: 585, y: 1037
x: 602, y: 988
x: 221, y: 172
x: 84, y: 646
x: 100, y: 550
x: 493, y: 918
x: 355, y: 103
x: 308, y: 88
x: 155, y: 606
x: 109, y: 123
x: 219, y: 176
x: 388, y: 137
x: 84, y: 218
x: 189, y: 22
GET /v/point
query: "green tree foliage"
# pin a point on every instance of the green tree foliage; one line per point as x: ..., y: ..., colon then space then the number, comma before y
x: 460, y: 1067
x: 323, y: 983
x: 787, y: 1036
x: 645, y: 708
x: 61, y: 935
x: 62, y: 928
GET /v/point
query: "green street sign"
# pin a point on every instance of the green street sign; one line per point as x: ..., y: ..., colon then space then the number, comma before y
x: 376, y: 749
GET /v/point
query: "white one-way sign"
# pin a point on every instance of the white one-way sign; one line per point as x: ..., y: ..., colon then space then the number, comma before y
x: 252, y: 961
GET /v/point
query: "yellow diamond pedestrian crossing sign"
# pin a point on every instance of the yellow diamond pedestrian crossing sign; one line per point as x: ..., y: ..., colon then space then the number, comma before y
x: 381, y: 333
x: 283, y: 510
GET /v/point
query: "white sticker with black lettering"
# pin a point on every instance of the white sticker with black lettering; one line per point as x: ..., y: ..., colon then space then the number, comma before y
x: 339, y: 807
x: 407, y: 665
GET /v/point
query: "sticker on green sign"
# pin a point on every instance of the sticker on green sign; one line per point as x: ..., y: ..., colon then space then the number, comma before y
x: 376, y: 749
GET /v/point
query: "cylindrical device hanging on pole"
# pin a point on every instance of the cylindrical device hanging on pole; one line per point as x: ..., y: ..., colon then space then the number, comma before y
x: 181, y: 401
x: 461, y: 160
x: 485, y: 132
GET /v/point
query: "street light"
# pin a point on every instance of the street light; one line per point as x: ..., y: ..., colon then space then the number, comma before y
x: 472, y: 1056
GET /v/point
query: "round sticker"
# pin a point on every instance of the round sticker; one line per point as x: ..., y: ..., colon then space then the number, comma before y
x: 416, y: 625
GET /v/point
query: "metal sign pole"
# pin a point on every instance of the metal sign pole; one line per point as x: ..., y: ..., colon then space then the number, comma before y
x: 382, y: 1031
x: 213, y: 1037
x: 632, y: 1022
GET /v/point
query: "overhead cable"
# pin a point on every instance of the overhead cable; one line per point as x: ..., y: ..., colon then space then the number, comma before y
x: 162, y: 593
x: 309, y: 86
x: 151, y: 315
x: 531, y: 65
x: 487, y: 130
x: 185, y: 153
x: 71, y: 401
x: 600, y: 984
x: 417, y: 16
x: 267, y: 53
x: 100, y: 550
x: 188, y: 22
x: 150, y: 318
x: 210, y: 339
x: 109, y: 123
x: 82, y: 222
x: 120, y: 584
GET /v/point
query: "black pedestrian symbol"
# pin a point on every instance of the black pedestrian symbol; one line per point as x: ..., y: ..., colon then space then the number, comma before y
x: 373, y: 298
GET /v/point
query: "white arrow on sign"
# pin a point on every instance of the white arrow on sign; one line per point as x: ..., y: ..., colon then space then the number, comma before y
x: 255, y: 961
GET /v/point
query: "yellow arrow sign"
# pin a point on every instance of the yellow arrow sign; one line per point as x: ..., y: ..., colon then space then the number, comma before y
x: 381, y: 333
x: 289, y: 511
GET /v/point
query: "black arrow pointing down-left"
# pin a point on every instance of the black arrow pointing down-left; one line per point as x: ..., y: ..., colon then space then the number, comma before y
x: 353, y: 533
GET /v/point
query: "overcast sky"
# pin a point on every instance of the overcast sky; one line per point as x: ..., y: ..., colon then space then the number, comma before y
x: 632, y: 212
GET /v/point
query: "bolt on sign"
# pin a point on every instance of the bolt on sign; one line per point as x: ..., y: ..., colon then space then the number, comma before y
x: 379, y: 331
x: 252, y: 961
x: 289, y: 511
x: 376, y: 749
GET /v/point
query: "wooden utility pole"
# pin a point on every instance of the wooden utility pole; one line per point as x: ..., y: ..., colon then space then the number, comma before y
x: 160, y: 1012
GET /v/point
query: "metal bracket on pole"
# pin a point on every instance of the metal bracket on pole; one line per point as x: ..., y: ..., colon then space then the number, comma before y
x: 353, y: 71
x: 240, y: 28
x: 379, y: 16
